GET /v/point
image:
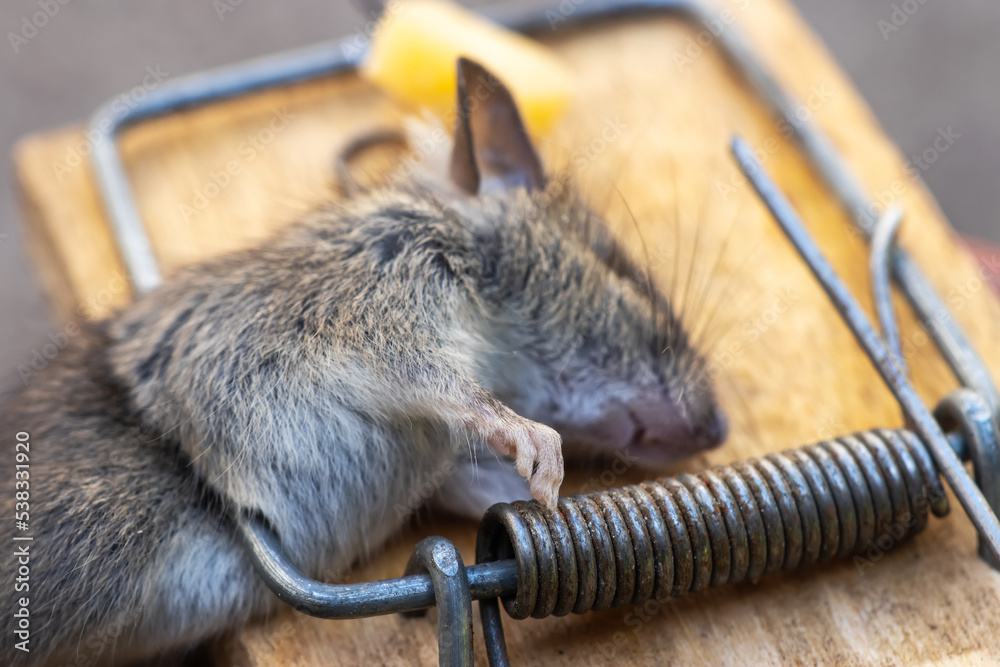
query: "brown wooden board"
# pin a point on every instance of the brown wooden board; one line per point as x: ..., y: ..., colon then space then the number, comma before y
x: 650, y: 127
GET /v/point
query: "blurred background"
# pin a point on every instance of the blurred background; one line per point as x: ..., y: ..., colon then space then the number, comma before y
x: 935, y: 71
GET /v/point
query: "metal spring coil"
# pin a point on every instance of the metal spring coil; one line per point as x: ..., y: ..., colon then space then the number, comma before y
x: 725, y: 525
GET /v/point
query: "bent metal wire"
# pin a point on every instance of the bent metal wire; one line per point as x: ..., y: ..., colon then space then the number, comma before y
x: 673, y: 536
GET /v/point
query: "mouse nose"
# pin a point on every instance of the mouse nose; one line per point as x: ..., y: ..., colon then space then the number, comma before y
x: 653, y: 428
x: 711, y: 431
x: 665, y: 426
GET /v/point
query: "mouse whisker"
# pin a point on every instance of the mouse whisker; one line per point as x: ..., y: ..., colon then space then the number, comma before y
x: 719, y: 291
x: 712, y: 274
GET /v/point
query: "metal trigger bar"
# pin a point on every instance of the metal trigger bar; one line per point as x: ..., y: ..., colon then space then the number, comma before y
x: 883, y: 241
x: 885, y: 361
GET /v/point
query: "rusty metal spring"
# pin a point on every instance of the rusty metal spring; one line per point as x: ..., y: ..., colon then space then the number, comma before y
x: 725, y: 525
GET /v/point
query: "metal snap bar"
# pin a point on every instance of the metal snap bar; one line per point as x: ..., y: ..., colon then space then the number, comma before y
x: 922, y: 420
x: 374, y: 598
x: 883, y: 241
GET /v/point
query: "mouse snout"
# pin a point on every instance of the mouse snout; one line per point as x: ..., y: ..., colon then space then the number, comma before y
x: 666, y: 431
x: 653, y: 429
x: 710, y: 430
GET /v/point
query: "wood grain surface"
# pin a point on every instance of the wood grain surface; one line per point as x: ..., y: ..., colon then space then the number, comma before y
x: 647, y: 137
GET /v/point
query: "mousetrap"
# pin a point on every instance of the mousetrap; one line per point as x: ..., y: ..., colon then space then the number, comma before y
x: 817, y: 554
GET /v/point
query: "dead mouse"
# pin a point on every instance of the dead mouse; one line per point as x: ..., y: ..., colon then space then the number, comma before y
x: 320, y: 379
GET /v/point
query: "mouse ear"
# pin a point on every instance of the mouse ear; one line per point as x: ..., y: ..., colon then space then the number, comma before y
x: 492, y: 150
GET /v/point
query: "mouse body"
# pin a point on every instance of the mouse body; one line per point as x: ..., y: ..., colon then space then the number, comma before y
x: 456, y: 335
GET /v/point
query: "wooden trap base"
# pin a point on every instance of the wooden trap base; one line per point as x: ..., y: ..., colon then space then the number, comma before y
x: 650, y: 127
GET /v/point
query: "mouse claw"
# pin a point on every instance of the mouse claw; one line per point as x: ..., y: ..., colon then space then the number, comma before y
x: 537, y: 453
x: 547, y: 473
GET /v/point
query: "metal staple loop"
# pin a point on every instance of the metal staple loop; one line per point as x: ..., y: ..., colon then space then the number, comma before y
x: 440, y: 559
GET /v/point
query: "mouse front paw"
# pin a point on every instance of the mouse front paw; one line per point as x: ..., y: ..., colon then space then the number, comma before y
x: 537, y: 453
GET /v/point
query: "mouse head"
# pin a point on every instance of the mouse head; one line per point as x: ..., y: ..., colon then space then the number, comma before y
x: 581, y: 339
